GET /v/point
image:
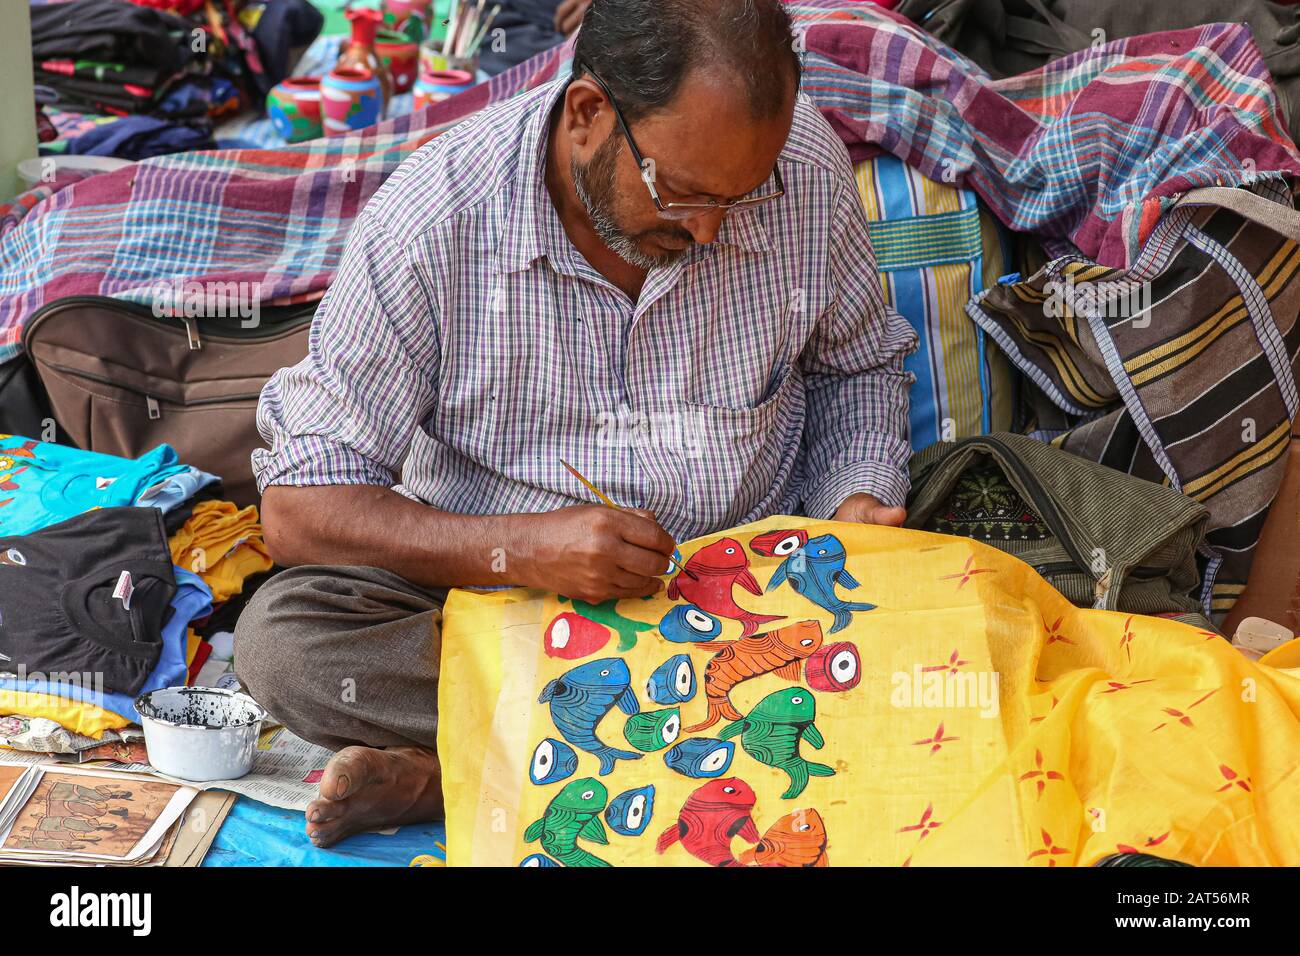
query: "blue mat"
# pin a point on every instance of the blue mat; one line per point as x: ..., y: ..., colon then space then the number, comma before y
x: 255, y: 834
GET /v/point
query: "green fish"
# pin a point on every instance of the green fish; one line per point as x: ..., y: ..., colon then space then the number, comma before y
x: 574, y: 812
x: 607, y: 614
x: 653, y: 730
x: 771, y: 733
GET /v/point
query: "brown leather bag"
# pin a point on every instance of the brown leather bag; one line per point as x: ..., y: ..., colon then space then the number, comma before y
x: 122, y: 380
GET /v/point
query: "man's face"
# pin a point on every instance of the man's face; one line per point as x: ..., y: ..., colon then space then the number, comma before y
x: 705, y: 145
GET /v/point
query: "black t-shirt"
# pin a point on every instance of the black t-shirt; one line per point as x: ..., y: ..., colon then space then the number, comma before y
x: 87, y: 596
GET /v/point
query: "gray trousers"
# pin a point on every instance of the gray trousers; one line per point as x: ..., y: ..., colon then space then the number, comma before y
x: 344, y: 655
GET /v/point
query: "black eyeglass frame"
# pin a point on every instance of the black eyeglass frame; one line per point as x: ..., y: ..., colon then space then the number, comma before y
x: 686, y: 210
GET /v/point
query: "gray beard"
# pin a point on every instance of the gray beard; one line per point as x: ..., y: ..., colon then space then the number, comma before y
x: 594, y: 184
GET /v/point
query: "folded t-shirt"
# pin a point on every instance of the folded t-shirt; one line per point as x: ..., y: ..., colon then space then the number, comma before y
x: 87, y: 596
x: 42, y: 483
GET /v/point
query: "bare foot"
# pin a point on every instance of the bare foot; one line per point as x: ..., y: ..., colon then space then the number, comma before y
x: 368, y: 789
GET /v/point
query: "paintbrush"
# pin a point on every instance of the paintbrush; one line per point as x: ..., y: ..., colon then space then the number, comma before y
x: 453, y: 23
x: 604, y: 498
x: 471, y: 30
x: 482, y: 32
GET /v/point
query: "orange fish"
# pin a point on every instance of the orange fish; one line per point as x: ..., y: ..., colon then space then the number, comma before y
x: 781, y: 652
x: 797, y: 839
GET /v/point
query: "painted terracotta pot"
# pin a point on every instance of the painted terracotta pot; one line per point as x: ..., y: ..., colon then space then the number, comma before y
x: 434, y: 86
x: 411, y: 17
x: 400, y: 56
x: 350, y: 99
x: 294, y: 108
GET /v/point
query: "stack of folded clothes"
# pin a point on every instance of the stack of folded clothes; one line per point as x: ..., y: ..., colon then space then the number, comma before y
x: 106, y: 55
x: 110, y: 569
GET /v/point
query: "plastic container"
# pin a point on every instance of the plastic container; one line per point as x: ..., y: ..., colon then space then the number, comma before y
x: 200, y: 733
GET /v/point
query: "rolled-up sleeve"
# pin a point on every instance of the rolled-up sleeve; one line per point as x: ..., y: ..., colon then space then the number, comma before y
x: 856, y: 439
x: 346, y: 414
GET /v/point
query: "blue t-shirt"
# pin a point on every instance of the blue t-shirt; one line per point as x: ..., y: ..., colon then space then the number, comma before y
x: 43, y: 483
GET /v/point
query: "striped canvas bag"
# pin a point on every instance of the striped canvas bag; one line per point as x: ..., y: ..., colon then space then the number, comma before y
x: 935, y: 249
x: 1181, y: 369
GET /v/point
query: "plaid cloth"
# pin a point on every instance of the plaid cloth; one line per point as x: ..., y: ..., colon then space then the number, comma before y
x: 1087, y: 151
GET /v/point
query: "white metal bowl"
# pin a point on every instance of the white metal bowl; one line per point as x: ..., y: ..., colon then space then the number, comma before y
x: 200, y: 733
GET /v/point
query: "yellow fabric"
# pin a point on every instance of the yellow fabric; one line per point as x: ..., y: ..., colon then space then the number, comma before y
x: 223, y: 545
x: 85, y: 719
x: 1113, y: 732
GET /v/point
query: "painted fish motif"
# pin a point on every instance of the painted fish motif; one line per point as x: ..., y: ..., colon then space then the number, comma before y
x: 772, y: 731
x: 653, y: 730
x: 571, y: 637
x: 573, y: 813
x: 711, y: 818
x: 835, y: 668
x: 797, y: 839
x: 781, y: 652
x: 778, y: 544
x: 701, y: 757
x: 673, y: 681
x: 625, y: 627
x: 814, y: 570
x: 539, y: 860
x: 706, y: 581
x: 629, y: 813
x: 687, y: 624
x: 582, y: 697
x: 553, y: 760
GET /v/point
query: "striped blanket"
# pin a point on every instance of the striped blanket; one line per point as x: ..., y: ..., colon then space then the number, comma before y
x: 1086, y: 152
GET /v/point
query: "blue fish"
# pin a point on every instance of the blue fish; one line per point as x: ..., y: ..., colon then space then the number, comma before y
x: 629, y: 813
x: 553, y: 760
x: 701, y: 757
x: 581, y: 698
x: 538, y: 859
x: 673, y: 681
x: 813, y: 571
x: 687, y: 624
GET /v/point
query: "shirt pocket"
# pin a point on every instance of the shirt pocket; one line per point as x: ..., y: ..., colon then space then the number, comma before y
x: 739, y: 453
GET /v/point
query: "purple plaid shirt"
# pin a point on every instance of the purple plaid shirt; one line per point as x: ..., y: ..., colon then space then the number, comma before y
x: 466, y: 343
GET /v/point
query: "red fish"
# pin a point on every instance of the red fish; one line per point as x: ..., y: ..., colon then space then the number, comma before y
x: 778, y: 543
x: 711, y: 817
x: 571, y: 637
x: 707, y: 578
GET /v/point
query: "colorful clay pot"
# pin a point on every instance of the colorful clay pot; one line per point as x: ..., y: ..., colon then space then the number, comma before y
x: 434, y: 86
x: 359, y: 52
x: 294, y: 108
x: 411, y: 17
x: 400, y: 56
x: 350, y: 99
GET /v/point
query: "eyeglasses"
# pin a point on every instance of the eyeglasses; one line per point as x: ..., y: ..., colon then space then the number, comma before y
x: 677, y: 210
